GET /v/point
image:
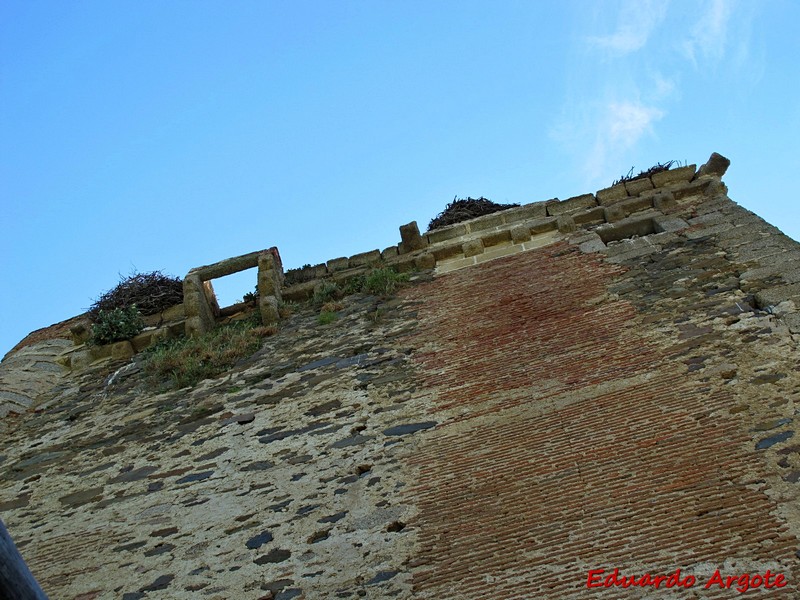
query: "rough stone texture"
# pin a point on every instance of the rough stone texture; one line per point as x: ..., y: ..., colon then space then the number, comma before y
x: 390, y: 252
x: 473, y: 247
x: 270, y: 277
x: 632, y: 205
x: 446, y: 233
x: 268, y: 307
x: 612, y: 194
x: 590, y: 216
x: 664, y: 201
x: 520, y: 233
x: 671, y: 176
x: 571, y: 205
x: 122, y: 350
x: 425, y: 261
x: 635, y: 187
x: 29, y: 373
x: 566, y: 224
x: 629, y: 431
x: 614, y: 213
x: 411, y: 239
x: 171, y: 314
x: 270, y: 478
x: 232, y: 265
x: 372, y: 257
x: 338, y: 264
x: 716, y: 165
x: 616, y: 396
x: 199, y: 313
x: 535, y: 210
x: 81, y: 332
x: 149, y: 337
x: 544, y: 225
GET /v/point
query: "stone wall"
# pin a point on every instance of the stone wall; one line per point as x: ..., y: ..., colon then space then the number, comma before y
x: 633, y: 209
x: 609, y: 383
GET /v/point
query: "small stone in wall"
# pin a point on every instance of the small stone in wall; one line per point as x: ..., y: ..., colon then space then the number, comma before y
x: 259, y: 540
x: 161, y: 583
x: 409, y: 428
x: 273, y: 556
x: 775, y: 439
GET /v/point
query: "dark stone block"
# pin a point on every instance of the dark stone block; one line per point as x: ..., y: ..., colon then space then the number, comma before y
x: 259, y: 540
x: 409, y: 428
x: 775, y: 439
x: 195, y: 477
x: 273, y: 556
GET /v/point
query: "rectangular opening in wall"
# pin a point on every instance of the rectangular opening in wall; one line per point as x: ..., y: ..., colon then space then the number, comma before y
x: 626, y: 229
x: 231, y: 290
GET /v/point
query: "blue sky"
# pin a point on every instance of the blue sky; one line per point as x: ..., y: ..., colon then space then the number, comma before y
x: 166, y: 135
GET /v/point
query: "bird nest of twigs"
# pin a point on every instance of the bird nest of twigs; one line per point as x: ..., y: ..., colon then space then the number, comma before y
x: 463, y: 209
x: 150, y: 292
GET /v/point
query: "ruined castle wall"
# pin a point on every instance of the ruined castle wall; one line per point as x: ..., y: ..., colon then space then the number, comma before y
x: 605, y: 382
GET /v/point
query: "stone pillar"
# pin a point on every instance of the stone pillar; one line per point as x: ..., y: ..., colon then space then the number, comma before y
x: 716, y: 165
x: 411, y: 239
x: 270, y: 276
x: 199, y: 313
x: 211, y: 298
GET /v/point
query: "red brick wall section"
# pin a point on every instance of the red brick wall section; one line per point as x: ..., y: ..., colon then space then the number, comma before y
x: 571, y: 442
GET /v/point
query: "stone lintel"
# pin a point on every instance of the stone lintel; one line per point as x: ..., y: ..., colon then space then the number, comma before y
x: 232, y: 265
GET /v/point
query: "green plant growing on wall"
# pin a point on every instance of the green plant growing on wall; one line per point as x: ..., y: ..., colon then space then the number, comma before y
x: 325, y: 292
x: 286, y: 308
x: 251, y: 297
x: 375, y: 316
x: 326, y: 317
x: 116, y: 325
x: 186, y: 361
x: 383, y: 281
x: 354, y: 285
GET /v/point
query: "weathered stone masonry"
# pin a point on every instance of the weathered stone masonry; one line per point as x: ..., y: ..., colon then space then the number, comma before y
x: 607, y: 381
x: 200, y: 304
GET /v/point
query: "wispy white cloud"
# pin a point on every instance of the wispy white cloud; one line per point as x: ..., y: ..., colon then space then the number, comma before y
x: 636, y: 23
x: 635, y: 82
x: 628, y: 121
x: 663, y: 87
x: 620, y: 127
x: 708, y: 39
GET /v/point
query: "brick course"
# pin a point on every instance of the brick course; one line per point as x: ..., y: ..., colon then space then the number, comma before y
x: 573, y: 440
